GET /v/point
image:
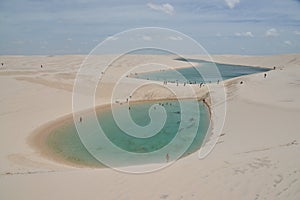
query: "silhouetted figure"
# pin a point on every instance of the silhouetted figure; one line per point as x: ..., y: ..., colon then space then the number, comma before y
x: 265, y: 75
x: 41, y: 66
x: 274, y: 67
x: 167, y: 157
x: 218, y: 81
x: 241, y: 82
x: 2, y: 64
x: 80, y: 119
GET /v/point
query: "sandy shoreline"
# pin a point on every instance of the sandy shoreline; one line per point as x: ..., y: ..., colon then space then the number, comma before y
x: 256, y: 155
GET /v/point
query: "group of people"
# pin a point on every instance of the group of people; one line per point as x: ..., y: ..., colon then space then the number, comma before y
x: 189, y: 82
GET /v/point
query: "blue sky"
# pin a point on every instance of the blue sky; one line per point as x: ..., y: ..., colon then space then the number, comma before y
x: 51, y: 27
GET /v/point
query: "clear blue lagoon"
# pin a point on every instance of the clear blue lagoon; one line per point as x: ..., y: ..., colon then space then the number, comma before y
x: 207, y: 73
x: 65, y: 143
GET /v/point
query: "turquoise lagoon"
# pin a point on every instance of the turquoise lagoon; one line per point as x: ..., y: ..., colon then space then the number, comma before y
x: 65, y: 143
x: 204, y: 72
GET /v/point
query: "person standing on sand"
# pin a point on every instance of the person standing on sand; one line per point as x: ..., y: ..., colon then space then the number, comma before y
x: 167, y: 157
x: 265, y: 75
x: 80, y: 119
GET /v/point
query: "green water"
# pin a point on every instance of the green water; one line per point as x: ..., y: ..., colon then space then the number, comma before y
x: 205, y: 72
x: 66, y: 144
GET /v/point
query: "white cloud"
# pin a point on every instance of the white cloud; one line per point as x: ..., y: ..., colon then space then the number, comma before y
x: 18, y: 42
x: 69, y: 39
x: 297, y: 32
x: 272, y: 33
x: 287, y: 42
x: 232, y: 3
x: 249, y: 34
x: 245, y: 34
x: 175, y: 38
x: 219, y: 35
x: 147, y: 38
x: 166, y: 8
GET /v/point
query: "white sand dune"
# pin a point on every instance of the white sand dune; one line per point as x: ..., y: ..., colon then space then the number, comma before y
x: 256, y: 157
